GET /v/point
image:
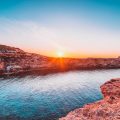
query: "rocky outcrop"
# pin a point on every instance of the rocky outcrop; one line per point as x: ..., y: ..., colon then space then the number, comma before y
x: 14, y: 61
x: 106, y: 109
x: 9, y: 50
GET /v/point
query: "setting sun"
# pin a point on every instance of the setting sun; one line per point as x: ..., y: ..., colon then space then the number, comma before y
x: 60, y: 54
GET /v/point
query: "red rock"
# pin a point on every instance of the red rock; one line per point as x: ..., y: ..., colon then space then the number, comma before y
x: 106, y: 109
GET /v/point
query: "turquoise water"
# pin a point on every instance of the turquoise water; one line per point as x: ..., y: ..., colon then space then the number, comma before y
x: 52, y: 96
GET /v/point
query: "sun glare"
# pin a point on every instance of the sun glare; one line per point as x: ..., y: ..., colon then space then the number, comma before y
x: 60, y: 54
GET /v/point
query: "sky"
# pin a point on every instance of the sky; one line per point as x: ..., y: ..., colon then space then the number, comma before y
x: 76, y: 28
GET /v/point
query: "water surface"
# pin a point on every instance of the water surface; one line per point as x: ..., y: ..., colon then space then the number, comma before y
x: 52, y: 96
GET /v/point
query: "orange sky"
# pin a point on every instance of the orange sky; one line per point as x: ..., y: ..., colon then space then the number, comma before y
x: 78, y: 28
x: 73, y: 55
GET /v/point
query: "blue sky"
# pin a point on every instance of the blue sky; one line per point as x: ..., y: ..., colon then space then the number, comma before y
x: 79, y: 28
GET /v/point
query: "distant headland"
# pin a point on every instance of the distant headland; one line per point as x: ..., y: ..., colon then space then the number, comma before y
x: 14, y: 61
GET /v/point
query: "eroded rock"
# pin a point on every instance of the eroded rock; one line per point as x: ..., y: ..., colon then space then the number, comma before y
x: 106, y: 109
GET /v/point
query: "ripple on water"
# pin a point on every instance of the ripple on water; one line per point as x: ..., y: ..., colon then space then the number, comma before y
x: 51, y: 96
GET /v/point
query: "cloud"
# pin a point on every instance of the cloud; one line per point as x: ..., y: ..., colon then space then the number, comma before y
x: 73, y: 37
x: 26, y: 34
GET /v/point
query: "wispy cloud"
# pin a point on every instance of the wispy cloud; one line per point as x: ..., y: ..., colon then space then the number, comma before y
x: 26, y: 34
x: 79, y: 38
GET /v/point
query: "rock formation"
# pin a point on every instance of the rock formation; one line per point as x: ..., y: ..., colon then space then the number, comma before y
x: 106, y: 109
x: 15, y: 61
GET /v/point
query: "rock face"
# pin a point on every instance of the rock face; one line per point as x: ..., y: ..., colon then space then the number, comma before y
x: 7, y: 49
x: 14, y: 61
x: 106, y: 109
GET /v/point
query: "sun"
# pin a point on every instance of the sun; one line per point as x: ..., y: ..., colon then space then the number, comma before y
x: 60, y: 54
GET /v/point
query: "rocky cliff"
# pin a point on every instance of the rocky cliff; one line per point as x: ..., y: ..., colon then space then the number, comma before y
x: 7, y: 49
x: 106, y: 109
x: 15, y: 61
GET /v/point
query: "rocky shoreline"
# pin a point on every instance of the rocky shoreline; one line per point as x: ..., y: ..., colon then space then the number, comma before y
x: 106, y: 109
x: 14, y: 61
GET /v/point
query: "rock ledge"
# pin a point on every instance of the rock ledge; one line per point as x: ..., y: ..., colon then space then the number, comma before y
x: 106, y: 109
